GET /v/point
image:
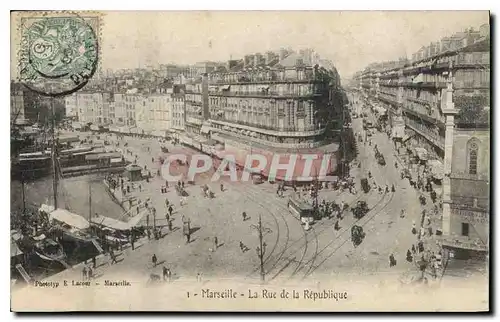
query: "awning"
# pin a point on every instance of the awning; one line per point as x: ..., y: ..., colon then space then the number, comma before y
x: 398, y: 131
x: 14, y: 249
x: 418, y: 79
x: 380, y: 109
x: 421, y: 153
x: 69, y: 139
x: 437, y: 169
x: 205, y: 129
x: 225, y: 87
x: 69, y: 218
x: 406, y: 137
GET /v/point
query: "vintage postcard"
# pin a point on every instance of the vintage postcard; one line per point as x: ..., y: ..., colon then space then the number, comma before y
x: 250, y: 161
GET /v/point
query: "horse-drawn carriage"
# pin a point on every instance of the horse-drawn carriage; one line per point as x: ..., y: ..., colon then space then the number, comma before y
x: 207, y: 192
x: 381, y: 159
x: 357, y: 235
x: 365, y: 185
x: 181, y: 191
x: 360, y: 210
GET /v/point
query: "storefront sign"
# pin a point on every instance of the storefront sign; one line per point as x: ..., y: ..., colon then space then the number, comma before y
x: 473, y: 217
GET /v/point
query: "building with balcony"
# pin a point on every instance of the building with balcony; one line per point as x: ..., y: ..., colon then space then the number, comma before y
x: 271, y: 103
x: 178, y: 107
x: 93, y: 107
x: 154, y: 114
x: 466, y: 202
x: 438, y: 112
x: 414, y: 92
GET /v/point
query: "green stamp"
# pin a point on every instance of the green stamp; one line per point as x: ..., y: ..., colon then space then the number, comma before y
x: 58, y: 54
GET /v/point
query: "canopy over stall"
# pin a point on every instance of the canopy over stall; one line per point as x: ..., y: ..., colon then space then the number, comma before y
x: 69, y: 218
x: 437, y: 169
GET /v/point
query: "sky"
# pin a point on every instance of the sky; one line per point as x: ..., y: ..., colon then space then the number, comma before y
x: 352, y: 40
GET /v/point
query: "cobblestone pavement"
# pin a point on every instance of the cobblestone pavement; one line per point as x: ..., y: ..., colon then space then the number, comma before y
x: 291, y: 252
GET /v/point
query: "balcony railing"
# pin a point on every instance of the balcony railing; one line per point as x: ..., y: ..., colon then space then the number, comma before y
x: 437, y: 85
x: 438, y: 142
x: 464, y: 242
x: 265, y: 94
x: 291, y: 146
x: 422, y: 112
x: 260, y: 128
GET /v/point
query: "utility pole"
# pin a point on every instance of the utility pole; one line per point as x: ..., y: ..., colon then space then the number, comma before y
x: 90, y: 204
x: 261, y: 249
x: 54, y: 154
x: 23, y: 192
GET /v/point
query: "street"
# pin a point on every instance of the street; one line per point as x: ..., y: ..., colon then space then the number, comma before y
x: 291, y: 252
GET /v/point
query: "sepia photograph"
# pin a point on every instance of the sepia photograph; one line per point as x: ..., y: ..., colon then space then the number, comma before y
x: 250, y: 161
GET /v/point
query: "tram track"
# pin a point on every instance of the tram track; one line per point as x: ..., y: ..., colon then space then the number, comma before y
x: 361, y: 222
x: 316, y: 234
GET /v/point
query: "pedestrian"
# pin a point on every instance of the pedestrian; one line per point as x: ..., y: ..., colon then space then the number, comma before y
x: 84, y: 272
x: 94, y: 264
x: 413, y: 250
x: 113, y: 257
x: 182, y: 184
x: 198, y: 277
x: 402, y: 215
x: 132, y: 240
x: 169, y: 275
x: 222, y: 187
x: 409, y: 256
x: 140, y: 188
x: 242, y: 246
x: 216, y: 242
x: 244, y: 214
x: 392, y: 260
x: 170, y: 225
x: 170, y: 210
x: 90, y: 273
x: 164, y: 271
x: 154, y: 260
x: 148, y: 233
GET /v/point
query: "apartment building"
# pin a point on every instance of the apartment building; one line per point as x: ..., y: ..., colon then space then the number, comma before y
x: 438, y: 112
x: 273, y: 102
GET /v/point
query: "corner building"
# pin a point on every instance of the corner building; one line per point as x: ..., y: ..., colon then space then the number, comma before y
x: 286, y: 103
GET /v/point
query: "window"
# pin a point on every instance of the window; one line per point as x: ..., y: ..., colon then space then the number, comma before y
x: 472, y: 155
x: 465, y: 229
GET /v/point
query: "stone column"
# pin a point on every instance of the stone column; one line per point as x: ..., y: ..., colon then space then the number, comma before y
x: 449, y: 111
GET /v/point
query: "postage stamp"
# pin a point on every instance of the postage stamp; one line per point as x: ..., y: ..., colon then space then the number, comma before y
x: 58, y: 52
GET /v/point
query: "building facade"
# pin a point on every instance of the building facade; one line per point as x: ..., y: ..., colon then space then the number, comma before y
x: 93, y: 107
x: 438, y: 114
x: 71, y: 106
x: 154, y: 113
x: 273, y: 103
x: 412, y: 92
x: 178, y: 116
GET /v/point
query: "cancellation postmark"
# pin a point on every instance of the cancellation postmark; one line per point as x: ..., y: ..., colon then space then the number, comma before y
x: 58, y: 52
